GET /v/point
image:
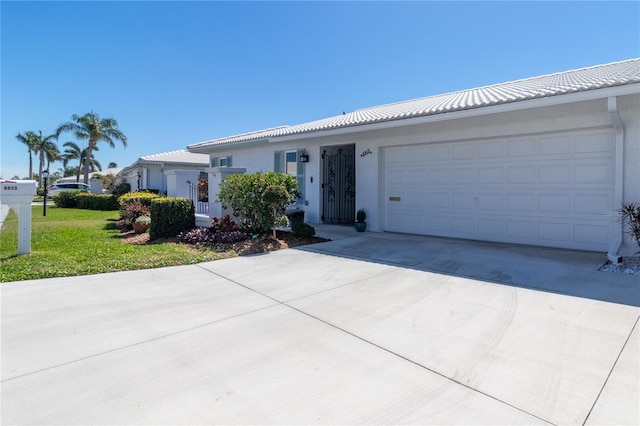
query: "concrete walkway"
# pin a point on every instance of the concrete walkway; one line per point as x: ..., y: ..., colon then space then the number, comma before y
x: 360, y: 330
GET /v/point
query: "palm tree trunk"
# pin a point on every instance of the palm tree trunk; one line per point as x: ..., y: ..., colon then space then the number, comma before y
x: 87, y: 162
x: 41, y: 168
x: 30, y: 165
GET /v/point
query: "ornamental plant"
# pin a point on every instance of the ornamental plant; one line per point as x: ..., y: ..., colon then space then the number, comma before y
x: 630, y: 213
x: 253, y: 203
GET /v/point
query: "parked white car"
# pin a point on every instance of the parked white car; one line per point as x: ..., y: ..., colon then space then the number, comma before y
x: 56, y: 188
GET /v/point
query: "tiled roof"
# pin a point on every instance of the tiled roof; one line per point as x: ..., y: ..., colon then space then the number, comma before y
x: 176, y: 157
x: 580, y: 80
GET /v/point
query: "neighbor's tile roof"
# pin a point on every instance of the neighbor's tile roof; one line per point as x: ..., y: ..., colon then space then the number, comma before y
x: 580, y: 80
x: 176, y: 157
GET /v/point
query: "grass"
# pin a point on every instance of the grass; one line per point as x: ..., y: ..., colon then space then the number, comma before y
x: 80, y: 242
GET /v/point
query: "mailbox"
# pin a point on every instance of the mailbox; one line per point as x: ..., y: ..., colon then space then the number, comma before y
x: 18, y: 194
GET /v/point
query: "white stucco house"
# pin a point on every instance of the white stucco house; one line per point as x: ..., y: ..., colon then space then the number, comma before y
x: 155, y: 172
x: 541, y: 161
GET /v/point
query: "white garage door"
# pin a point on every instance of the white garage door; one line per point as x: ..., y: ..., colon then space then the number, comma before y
x: 549, y: 190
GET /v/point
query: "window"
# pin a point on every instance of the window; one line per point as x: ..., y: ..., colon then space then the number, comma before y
x: 221, y: 161
x: 288, y: 162
x: 291, y: 163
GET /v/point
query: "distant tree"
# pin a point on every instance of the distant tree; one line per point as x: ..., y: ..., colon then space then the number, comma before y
x: 45, y: 147
x: 28, y: 138
x: 73, y: 152
x: 112, y: 165
x: 94, y: 129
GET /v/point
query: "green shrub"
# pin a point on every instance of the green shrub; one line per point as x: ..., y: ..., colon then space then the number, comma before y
x: 40, y: 192
x: 102, y: 202
x: 303, y: 230
x: 245, y: 194
x: 66, y: 199
x: 121, y: 189
x: 171, y: 216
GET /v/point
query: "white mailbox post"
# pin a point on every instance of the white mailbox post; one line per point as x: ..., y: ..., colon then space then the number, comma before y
x: 18, y: 195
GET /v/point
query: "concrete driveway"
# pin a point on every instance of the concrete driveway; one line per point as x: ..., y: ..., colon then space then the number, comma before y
x: 361, y: 330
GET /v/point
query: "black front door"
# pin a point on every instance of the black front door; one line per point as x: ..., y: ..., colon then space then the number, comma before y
x: 339, y: 184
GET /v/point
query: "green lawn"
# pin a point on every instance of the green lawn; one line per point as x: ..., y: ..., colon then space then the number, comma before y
x: 79, y: 242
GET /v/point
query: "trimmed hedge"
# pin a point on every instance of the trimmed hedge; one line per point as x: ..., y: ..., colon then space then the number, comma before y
x: 102, y: 202
x: 170, y: 217
x: 66, y: 199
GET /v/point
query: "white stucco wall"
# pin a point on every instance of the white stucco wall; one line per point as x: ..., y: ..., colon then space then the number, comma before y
x: 369, y: 168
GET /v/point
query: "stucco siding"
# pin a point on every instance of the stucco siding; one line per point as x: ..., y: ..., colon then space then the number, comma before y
x: 585, y: 115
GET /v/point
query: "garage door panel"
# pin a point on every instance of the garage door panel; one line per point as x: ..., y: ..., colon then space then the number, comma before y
x: 439, y: 200
x: 493, y: 202
x: 463, y: 227
x: 549, y: 190
x: 519, y: 202
x: 438, y: 176
x: 521, y: 229
x: 464, y: 151
x: 554, y: 174
x: 490, y: 228
x: 549, y: 203
x: 591, y: 204
x: 554, y: 232
x: 438, y: 152
x: 521, y: 148
x: 521, y: 175
x: 554, y: 145
x: 463, y: 200
x: 490, y: 175
x: 591, y: 172
x: 491, y: 149
x: 592, y: 143
x: 591, y: 234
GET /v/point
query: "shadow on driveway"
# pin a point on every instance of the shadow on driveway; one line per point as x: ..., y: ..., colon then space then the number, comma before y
x: 568, y: 272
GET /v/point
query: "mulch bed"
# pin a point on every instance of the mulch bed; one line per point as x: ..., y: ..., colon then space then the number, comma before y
x: 262, y: 243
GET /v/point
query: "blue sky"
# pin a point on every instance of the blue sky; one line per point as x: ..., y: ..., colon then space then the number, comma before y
x: 177, y: 73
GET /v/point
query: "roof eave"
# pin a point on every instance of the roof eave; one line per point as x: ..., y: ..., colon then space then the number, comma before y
x: 603, y: 93
x: 206, y: 149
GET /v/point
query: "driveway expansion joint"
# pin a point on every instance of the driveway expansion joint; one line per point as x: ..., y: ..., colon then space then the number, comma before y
x: 389, y: 351
x: 604, y: 384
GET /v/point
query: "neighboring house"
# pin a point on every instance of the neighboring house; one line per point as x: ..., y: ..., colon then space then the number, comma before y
x: 543, y: 161
x: 96, y: 185
x: 158, y: 172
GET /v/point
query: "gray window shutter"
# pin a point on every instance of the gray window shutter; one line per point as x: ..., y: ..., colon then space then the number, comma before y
x: 229, y: 161
x: 214, y: 161
x: 278, y: 161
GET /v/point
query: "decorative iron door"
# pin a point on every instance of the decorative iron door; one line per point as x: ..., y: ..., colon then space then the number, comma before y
x: 339, y: 184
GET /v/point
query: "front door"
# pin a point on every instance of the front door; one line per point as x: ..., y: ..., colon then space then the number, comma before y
x: 339, y: 184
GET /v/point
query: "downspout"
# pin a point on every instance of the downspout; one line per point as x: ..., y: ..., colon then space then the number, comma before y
x: 618, y: 233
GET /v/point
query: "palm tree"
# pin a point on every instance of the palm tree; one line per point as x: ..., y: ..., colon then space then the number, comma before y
x: 94, y: 129
x: 28, y: 138
x: 73, y: 152
x: 45, y: 148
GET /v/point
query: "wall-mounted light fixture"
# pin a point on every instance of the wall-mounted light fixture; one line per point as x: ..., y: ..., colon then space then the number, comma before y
x: 304, y: 157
